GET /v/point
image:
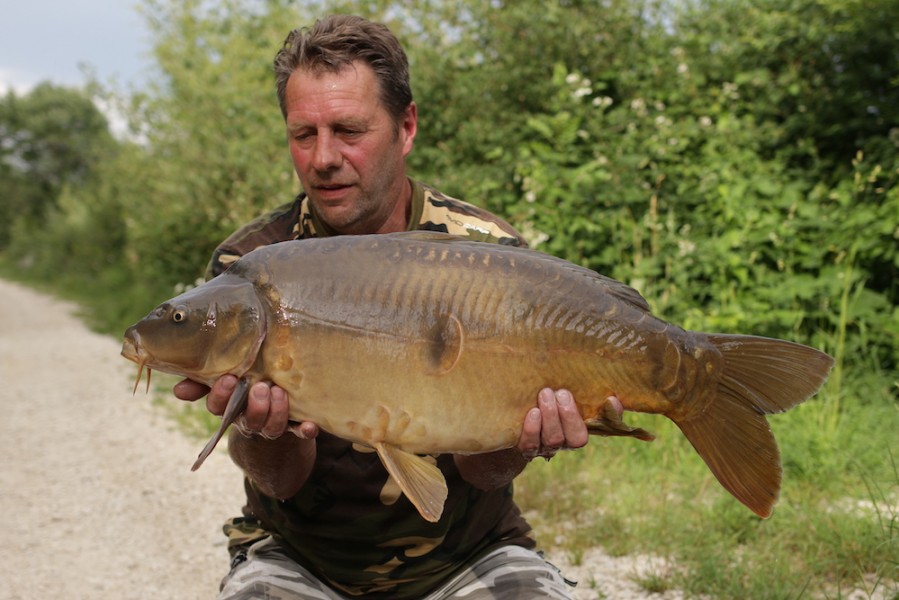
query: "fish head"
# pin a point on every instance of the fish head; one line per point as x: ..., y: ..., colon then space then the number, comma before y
x: 209, y: 331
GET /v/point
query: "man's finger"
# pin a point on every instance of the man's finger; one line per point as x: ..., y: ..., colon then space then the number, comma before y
x: 258, y: 406
x: 190, y: 390
x: 305, y: 430
x: 220, y: 393
x: 276, y: 422
x: 574, y: 431
x: 529, y: 442
x: 551, y: 433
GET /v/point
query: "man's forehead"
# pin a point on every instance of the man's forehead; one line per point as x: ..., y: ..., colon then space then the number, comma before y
x: 347, y: 90
x: 357, y: 72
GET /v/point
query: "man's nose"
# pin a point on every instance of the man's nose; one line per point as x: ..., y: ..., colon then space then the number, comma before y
x: 326, y: 155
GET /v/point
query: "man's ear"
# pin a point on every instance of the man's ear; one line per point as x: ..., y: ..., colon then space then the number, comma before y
x: 409, y: 127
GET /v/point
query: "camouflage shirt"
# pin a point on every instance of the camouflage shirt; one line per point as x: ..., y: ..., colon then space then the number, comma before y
x: 350, y: 524
x: 431, y: 211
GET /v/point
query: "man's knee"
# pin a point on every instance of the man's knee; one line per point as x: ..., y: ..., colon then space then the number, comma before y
x: 267, y: 572
x: 510, y: 573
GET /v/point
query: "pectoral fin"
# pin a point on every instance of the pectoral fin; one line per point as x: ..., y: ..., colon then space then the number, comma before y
x: 237, y: 403
x: 420, y: 480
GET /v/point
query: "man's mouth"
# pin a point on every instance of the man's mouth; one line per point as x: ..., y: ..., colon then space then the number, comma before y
x: 331, y: 189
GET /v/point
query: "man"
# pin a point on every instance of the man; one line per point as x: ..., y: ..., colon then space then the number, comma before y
x: 323, y: 519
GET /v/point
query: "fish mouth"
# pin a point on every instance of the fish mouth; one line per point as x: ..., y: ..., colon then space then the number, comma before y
x: 132, y: 351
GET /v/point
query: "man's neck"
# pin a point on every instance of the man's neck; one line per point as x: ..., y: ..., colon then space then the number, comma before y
x: 398, y: 219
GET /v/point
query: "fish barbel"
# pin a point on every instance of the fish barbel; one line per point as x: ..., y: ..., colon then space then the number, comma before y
x: 425, y: 343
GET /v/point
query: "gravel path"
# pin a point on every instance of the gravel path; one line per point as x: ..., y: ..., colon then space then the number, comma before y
x: 96, y: 488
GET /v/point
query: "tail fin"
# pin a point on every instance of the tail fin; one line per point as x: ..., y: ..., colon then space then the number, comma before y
x: 760, y: 376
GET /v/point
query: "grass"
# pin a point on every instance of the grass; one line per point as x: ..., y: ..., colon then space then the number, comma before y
x: 835, y: 529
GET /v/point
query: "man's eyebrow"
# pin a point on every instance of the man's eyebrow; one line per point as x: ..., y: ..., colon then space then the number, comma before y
x: 354, y: 123
x: 293, y: 128
x: 351, y: 123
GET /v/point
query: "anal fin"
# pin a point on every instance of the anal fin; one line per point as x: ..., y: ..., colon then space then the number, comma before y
x: 608, y: 423
x: 421, y: 481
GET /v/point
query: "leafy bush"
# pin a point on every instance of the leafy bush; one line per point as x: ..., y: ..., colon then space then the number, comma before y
x: 734, y: 160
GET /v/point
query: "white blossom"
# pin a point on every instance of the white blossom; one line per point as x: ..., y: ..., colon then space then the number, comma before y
x: 685, y: 247
x: 582, y: 91
x: 638, y: 105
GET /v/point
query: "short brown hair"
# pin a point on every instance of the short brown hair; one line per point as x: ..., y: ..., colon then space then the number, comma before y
x: 337, y: 41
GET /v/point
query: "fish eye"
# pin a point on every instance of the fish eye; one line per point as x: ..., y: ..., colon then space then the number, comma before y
x: 179, y: 315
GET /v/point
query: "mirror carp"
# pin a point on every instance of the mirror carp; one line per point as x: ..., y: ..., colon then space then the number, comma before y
x: 425, y: 343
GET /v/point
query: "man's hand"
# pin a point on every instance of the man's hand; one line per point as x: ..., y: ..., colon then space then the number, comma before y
x: 267, y: 407
x: 554, y: 424
x: 278, y: 464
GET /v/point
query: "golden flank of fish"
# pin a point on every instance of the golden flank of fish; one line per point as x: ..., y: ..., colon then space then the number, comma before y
x: 424, y: 343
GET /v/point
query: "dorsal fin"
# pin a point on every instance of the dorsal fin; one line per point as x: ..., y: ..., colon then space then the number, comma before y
x: 613, y: 287
x: 430, y: 236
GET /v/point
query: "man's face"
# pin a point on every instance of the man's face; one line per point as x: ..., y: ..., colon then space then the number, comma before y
x: 347, y: 149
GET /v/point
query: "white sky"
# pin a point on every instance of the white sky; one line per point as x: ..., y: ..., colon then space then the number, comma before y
x: 44, y: 40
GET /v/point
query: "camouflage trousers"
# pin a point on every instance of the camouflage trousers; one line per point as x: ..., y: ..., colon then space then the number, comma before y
x: 508, y: 573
